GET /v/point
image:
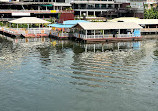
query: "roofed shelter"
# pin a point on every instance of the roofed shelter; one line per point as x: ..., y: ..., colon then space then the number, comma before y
x: 106, y: 30
x: 64, y: 28
x: 149, y: 25
x: 136, y: 20
x: 28, y: 21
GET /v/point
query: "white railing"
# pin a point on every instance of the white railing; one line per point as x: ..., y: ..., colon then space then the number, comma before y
x: 33, y: 31
x: 93, y: 36
x: 25, y: 10
x: 9, y: 30
x: 37, y: 11
x: 63, y: 34
x: 26, y: 31
x: 102, y: 36
x: 82, y: 36
x: 55, y: 33
x: 124, y: 35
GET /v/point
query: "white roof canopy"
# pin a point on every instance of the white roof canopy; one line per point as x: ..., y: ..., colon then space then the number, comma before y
x: 108, y: 25
x: 136, y: 20
x: 29, y: 20
x: 62, y: 4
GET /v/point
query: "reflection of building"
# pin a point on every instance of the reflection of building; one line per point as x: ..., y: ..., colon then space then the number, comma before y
x: 10, y: 53
x: 111, y: 46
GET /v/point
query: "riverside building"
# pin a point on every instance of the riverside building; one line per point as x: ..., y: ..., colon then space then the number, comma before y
x: 108, y: 8
x: 34, y: 8
x: 89, y: 8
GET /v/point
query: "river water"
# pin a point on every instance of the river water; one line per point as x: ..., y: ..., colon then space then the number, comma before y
x: 52, y: 75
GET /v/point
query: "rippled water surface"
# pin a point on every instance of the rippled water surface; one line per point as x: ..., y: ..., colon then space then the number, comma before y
x: 50, y: 75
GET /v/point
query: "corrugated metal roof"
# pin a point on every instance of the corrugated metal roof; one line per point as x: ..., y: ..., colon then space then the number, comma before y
x: 60, y: 25
x: 73, y: 22
x: 108, y: 25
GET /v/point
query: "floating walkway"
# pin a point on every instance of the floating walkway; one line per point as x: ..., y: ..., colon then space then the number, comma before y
x: 26, y: 32
x: 23, y: 32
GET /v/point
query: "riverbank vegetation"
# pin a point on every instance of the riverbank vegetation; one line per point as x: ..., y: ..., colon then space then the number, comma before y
x: 151, y: 12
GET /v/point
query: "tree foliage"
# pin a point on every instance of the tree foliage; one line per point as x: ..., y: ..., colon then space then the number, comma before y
x: 151, y: 13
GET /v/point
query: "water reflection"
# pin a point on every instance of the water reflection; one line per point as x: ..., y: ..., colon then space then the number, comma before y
x: 107, y: 64
x: 53, y: 70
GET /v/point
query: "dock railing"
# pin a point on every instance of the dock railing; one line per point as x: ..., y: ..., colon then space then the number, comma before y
x: 36, y: 11
x: 124, y: 35
x: 24, y: 31
x: 103, y: 36
x: 57, y: 34
x: 32, y: 30
x: 93, y: 36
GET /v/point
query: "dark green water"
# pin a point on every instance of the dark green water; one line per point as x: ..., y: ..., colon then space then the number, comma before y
x: 68, y: 76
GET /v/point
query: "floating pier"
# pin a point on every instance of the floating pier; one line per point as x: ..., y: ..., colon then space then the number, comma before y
x: 107, y: 31
x: 26, y: 32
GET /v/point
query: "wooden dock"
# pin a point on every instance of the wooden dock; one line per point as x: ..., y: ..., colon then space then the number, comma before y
x: 26, y: 33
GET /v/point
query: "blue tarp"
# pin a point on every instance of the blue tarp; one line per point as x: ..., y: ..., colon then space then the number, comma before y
x: 136, y: 45
x: 67, y: 24
x: 60, y: 25
x: 137, y: 33
x: 73, y: 22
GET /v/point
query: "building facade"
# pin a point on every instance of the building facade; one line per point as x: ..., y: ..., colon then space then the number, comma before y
x: 34, y: 8
x: 108, y: 8
x: 52, y: 8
